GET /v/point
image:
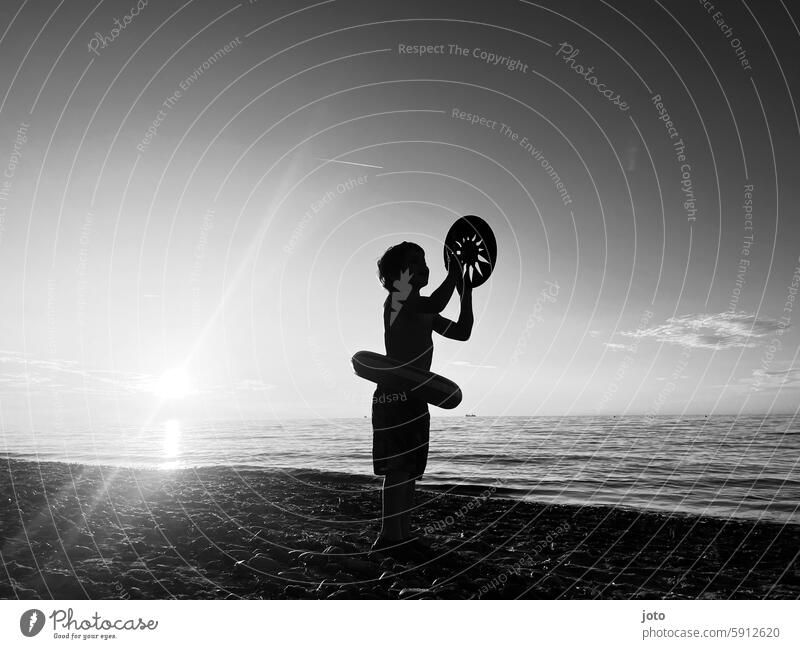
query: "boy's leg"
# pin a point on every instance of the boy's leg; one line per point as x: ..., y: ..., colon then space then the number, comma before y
x: 394, y: 504
x: 408, y: 505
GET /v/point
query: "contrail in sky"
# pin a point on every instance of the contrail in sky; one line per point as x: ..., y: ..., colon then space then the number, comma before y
x: 358, y: 164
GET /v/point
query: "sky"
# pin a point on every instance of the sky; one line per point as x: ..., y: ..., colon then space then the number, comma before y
x: 194, y: 199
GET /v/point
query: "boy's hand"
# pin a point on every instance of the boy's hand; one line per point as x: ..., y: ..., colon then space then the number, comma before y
x: 463, y: 285
x: 455, y: 270
x: 453, y: 264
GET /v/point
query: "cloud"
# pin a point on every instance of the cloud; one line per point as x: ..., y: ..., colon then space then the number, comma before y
x: 26, y: 373
x: 594, y: 333
x: 24, y: 381
x: 617, y: 347
x: 473, y: 365
x: 711, y: 330
x: 18, y: 358
x: 783, y: 379
x: 21, y: 373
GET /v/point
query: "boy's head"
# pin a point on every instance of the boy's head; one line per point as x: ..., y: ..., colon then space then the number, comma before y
x: 396, y: 259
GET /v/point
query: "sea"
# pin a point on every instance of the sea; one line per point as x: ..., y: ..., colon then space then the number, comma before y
x: 745, y: 467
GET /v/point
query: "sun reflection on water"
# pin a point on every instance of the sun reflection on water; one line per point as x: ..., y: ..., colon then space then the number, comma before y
x: 172, y: 441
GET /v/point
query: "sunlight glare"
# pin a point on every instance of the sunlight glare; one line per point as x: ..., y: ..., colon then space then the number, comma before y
x: 173, y: 384
x: 172, y: 437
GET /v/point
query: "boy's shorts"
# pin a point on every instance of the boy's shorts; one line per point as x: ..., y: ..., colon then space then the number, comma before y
x: 400, y: 432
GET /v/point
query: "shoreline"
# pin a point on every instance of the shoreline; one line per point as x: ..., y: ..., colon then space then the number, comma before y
x: 72, y: 531
x: 443, y: 487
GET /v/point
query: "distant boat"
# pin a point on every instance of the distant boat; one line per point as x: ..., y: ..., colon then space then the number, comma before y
x: 470, y: 414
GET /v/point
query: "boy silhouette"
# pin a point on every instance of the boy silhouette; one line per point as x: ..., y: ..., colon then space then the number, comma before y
x: 400, y: 422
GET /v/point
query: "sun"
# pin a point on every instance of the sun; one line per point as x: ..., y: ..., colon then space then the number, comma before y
x: 174, y: 383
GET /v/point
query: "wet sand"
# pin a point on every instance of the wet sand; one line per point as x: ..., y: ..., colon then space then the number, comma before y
x: 75, y: 532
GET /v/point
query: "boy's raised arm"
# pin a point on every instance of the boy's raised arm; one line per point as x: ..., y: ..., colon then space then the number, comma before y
x: 437, y: 301
x: 462, y: 329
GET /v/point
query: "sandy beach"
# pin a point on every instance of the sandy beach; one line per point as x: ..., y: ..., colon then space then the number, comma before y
x: 74, y: 531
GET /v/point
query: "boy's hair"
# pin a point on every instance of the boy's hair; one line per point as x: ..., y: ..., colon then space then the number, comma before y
x: 393, y: 262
